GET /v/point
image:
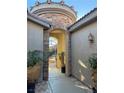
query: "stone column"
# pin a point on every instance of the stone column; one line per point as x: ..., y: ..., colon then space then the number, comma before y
x: 69, y: 53
x: 68, y: 49
x: 45, y: 55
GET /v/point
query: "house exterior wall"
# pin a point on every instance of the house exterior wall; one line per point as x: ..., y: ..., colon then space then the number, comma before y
x: 34, y: 36
x: 81, y: 49
x: 35, y: 40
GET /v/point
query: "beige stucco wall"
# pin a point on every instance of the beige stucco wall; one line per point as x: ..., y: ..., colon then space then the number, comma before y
x: 34, y: 36
x: 35, y: 40
x: 81, y: 49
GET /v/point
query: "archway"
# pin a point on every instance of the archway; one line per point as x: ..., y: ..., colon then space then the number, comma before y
x: 61, y: 58
x: 53, y: 43
x: 63, y: 51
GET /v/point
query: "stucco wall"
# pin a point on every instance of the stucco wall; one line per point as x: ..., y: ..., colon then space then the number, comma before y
x: 35, y: 40
x: 34, y: 36
x: 81, y: 49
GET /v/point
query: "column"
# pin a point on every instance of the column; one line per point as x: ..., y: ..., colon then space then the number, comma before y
x: 45, y: 55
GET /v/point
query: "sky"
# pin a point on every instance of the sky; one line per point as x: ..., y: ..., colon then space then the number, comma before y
x: 82, y: 7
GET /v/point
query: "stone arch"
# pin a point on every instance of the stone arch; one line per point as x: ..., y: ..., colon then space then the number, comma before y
x: 66, y: 45
x: 63, y: 38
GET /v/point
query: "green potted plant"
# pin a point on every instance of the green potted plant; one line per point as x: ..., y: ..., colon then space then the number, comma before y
x: 93, y: 64
x: 34, y: 60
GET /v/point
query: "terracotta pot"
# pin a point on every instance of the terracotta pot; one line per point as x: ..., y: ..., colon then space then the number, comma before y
x: 33, y: 73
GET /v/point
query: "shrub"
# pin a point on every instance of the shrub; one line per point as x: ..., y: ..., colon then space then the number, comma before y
x: 37, y: 56
x: 93, y: 61
x: 34, y: 57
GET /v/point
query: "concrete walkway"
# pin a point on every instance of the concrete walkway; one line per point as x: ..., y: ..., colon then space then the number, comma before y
x: 59, y: 83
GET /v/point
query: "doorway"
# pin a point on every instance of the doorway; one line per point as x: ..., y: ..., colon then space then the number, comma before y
x: 57, y: 45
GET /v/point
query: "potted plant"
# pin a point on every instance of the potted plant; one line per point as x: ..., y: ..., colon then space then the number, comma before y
x: 61, y: 57
x: 93, y: 65
x: 34, y: 62
x: 34, y: 59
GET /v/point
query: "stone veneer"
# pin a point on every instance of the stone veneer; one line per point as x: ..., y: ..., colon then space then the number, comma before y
x: 57, y: 19
x: 46, y: 50
x: 60, y: 15
x: 69, y: 54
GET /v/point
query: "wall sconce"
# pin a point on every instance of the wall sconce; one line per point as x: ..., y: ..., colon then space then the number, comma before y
x: 91, y: 38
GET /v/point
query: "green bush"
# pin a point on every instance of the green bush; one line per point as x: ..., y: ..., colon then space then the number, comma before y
x: 36, y: 56
x: 93, y: 61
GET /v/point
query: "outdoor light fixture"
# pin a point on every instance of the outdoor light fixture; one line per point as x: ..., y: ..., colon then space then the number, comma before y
x: 91, y: 38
